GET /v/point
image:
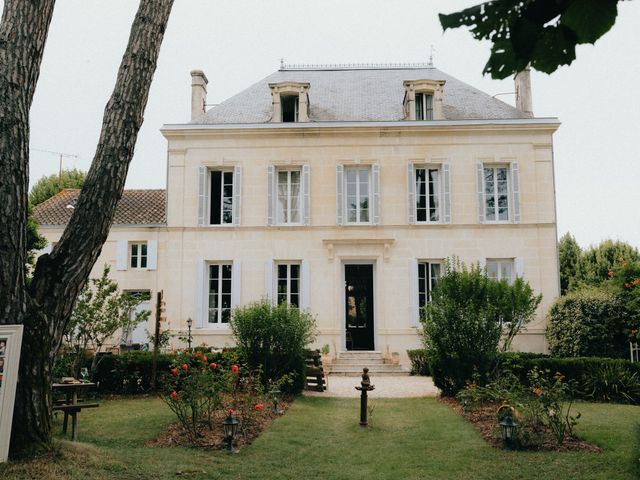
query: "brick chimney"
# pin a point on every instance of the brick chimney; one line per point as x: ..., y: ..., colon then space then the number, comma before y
x: 524, y: 102
x: 198, y: 93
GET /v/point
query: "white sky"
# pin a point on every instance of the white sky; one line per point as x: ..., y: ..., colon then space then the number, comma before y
x: 237, y: 42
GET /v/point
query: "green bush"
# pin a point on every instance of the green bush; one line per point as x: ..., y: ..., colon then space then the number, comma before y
x: 273, y: 339
x: 589, y: 322
x: 612, y: 382
x: 419, y: 361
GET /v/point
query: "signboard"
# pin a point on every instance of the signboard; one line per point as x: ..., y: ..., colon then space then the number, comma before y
x: 10, y: 344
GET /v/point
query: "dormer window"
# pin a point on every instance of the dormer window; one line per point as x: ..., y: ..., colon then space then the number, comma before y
x: 290, y: 102
x: 423, y: 99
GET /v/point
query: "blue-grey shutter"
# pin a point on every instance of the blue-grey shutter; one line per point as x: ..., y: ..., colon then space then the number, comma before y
x: 152, y: 254
x: 515, y: 189
x: 519, y: 266
x: 480, y: 190
x: 269, y: 280
x: 202, y: 291
x: 375, y: 183
x: 236, y: 283
x: 305, y: 290
x: 271, y: 178
x: 414, y: 300
x: 446, y: 193
x: 122, y: 255
x: 339, y: 194
x: 202, y: 195
x: 237, y: 194
x: 411, y: 193
x: 306, y: 203
x: 482, y: 263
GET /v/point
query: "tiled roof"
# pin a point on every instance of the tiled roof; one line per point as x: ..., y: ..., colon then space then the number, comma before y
x: 136, y: 207
x: 364, y: 95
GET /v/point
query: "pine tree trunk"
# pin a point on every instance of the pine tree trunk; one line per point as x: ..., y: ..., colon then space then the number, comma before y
x: 44, y: 306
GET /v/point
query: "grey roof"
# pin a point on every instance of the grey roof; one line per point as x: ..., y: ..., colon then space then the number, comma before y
x: 360, y: 95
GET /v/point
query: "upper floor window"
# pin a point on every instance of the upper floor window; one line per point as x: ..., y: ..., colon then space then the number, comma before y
x: 496, y: 193
x: 428, y: 193
x: 221, y: 198
x: 428, y: 275
x: 290, y: 107
x: 501, y: 269
x: 424, y: 106
x: 289, y: 197
x: 288, y: 284
x: 138, y: 255
x: 358, y: 188
x: 220, y: 293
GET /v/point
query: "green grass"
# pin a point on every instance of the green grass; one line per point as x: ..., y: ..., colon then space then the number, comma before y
x: 320, y: 438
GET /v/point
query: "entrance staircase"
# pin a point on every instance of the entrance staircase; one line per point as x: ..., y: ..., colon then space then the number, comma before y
x: 350, y: 364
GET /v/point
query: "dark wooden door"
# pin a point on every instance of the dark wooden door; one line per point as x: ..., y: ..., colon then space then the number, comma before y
x: 359, y: 307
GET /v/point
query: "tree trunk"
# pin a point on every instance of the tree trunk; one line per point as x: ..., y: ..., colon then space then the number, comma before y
x: 44, y: 306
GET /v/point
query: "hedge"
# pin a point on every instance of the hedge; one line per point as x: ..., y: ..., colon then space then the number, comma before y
x: 419, y: 361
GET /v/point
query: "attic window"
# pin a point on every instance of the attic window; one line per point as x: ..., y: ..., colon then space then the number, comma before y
x: 423, y: 99
x: 424, y: 106
x: 290, y: 106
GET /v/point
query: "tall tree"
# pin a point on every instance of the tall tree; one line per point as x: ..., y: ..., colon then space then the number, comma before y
x: 44, y: 305
x: 49, y: 185
x: 570, y: 271
x: 540, y: 33
x: 597, y: 261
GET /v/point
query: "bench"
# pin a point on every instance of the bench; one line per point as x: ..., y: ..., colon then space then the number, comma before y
x: 72, y: 410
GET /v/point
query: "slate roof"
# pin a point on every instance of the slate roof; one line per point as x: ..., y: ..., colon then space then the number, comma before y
x: 136, y: 207
x: 360, y: 95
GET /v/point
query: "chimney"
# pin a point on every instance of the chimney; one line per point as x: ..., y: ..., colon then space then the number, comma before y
x: 198, y: 93
x: 524, y: 102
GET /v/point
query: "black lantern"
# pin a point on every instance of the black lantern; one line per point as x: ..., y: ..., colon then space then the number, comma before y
x: 189, y: 323
x: 508, y: 429
x: 276, y: 396
x: 230, y: 425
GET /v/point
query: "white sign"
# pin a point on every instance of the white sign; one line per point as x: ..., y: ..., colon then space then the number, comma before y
x: 10, y: 344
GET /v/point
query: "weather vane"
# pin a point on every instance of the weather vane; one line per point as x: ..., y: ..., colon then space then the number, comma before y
x: 431, y: 50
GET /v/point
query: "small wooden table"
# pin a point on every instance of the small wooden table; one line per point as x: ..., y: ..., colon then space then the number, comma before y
x: 71, y: 406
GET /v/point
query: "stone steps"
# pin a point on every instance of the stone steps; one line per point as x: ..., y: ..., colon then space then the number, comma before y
x: 350, y: 364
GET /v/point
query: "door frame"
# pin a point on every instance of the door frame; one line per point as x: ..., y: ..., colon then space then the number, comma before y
x: 343, y: 300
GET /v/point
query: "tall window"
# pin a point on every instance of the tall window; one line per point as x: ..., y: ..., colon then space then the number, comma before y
x: 358, y: 194
x: 288, y: 284
x: 221, y: 208
x: 424, y: 106
x: 220, y: 293
x: 138, y: 257
x: 428, y: 275
x: 428, y: 191
x: 500, y: 269
x: 289, y: 201
x: 289, y: 105
x: 496, y: 193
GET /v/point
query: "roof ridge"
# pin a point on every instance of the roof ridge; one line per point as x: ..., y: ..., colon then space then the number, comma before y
x: 353, y: 66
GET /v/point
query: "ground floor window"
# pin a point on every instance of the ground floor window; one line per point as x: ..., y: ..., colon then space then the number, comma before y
x: 288, y: 283
x: 428, y: 275
x: 220, y: 293
x: 500, y: 269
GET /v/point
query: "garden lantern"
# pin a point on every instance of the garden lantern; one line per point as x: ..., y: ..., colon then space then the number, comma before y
x: 276, y: 396
x: 508, y: 429
x: 189, y: 323
x: 230, y: 425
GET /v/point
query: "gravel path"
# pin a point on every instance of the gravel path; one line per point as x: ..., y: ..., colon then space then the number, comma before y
x: 386, y: 387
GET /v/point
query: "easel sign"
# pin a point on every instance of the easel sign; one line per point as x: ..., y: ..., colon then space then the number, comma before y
x: 10, y: 344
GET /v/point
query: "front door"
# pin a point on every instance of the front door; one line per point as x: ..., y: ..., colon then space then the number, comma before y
x: 359, y: 307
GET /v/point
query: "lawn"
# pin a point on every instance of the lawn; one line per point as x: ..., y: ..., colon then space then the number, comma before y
x: 320, y: 438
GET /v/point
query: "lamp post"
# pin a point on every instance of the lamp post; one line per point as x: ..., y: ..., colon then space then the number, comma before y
x: 189, y: 323
x: 230, y: 425
x: 276, y: 395
x: 508, y: 429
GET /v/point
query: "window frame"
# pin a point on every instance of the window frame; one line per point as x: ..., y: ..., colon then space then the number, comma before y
x: 499, y: 262
x: 288, y: 279
x: 296, y: 107
x: 429, y: 281
x: 139, y: 256
x: 223, y: 171
x: 440, y: 193
x: 507, y: 168
x: 427, y: 112
x: 345, y: 199
x: 278, y: 221
x: 220, y: 281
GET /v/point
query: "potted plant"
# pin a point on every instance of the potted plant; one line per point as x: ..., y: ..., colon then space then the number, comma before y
x: 395, y: 358
x: 327, y: 359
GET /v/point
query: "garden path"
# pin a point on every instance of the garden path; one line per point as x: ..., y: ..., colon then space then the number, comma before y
x: 386, y: 387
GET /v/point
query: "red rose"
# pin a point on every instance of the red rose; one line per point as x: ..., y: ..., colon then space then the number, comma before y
x: 635, y: 281
x: 185, y: 366
x: 627, y: 285
x: 259, y: 406
x: 174, y: 394
x: 174, y: 372
x: 198, y: 354
x: 610, y: 273
x: 213, y: 366
x: 234, y: 368
x: 204, y: 358
x: 232, y: 411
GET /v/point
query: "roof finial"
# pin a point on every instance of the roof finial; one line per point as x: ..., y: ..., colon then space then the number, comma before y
x: 431, y: 50
x: 282, y: 63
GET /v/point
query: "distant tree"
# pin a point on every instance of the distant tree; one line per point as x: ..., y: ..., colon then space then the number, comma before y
x: 50, y: 185
x: 597, y: 261
x: 540, y: 33
x: 570, y: 271
x: 34, y: 240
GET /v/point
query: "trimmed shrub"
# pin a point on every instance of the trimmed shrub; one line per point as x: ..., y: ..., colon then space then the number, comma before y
x: 272, y: 339
x: 419, y: 361
x: 588, y: 322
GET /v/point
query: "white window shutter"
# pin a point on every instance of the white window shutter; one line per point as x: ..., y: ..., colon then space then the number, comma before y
x: 413, y: 292
x: 446, y: 193
x: 375, y: 183
x: 519, y: 266
x: 235, y: 283
x: 269, y: 280
x: 305, y: 290
x: 152, y: 254
x: 306, y: 186
x: 480, y: 189
x: 339, y: 194
x: 482, y: 263
x: 202, y: 195
x: 411, y: 193
x: 237, y: 194
x: 202, y: 291
x: 122, y: 255
x: 515, y: 190
x: 271, y: 179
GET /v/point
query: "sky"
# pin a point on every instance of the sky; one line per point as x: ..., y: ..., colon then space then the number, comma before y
x: 238, y: 42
